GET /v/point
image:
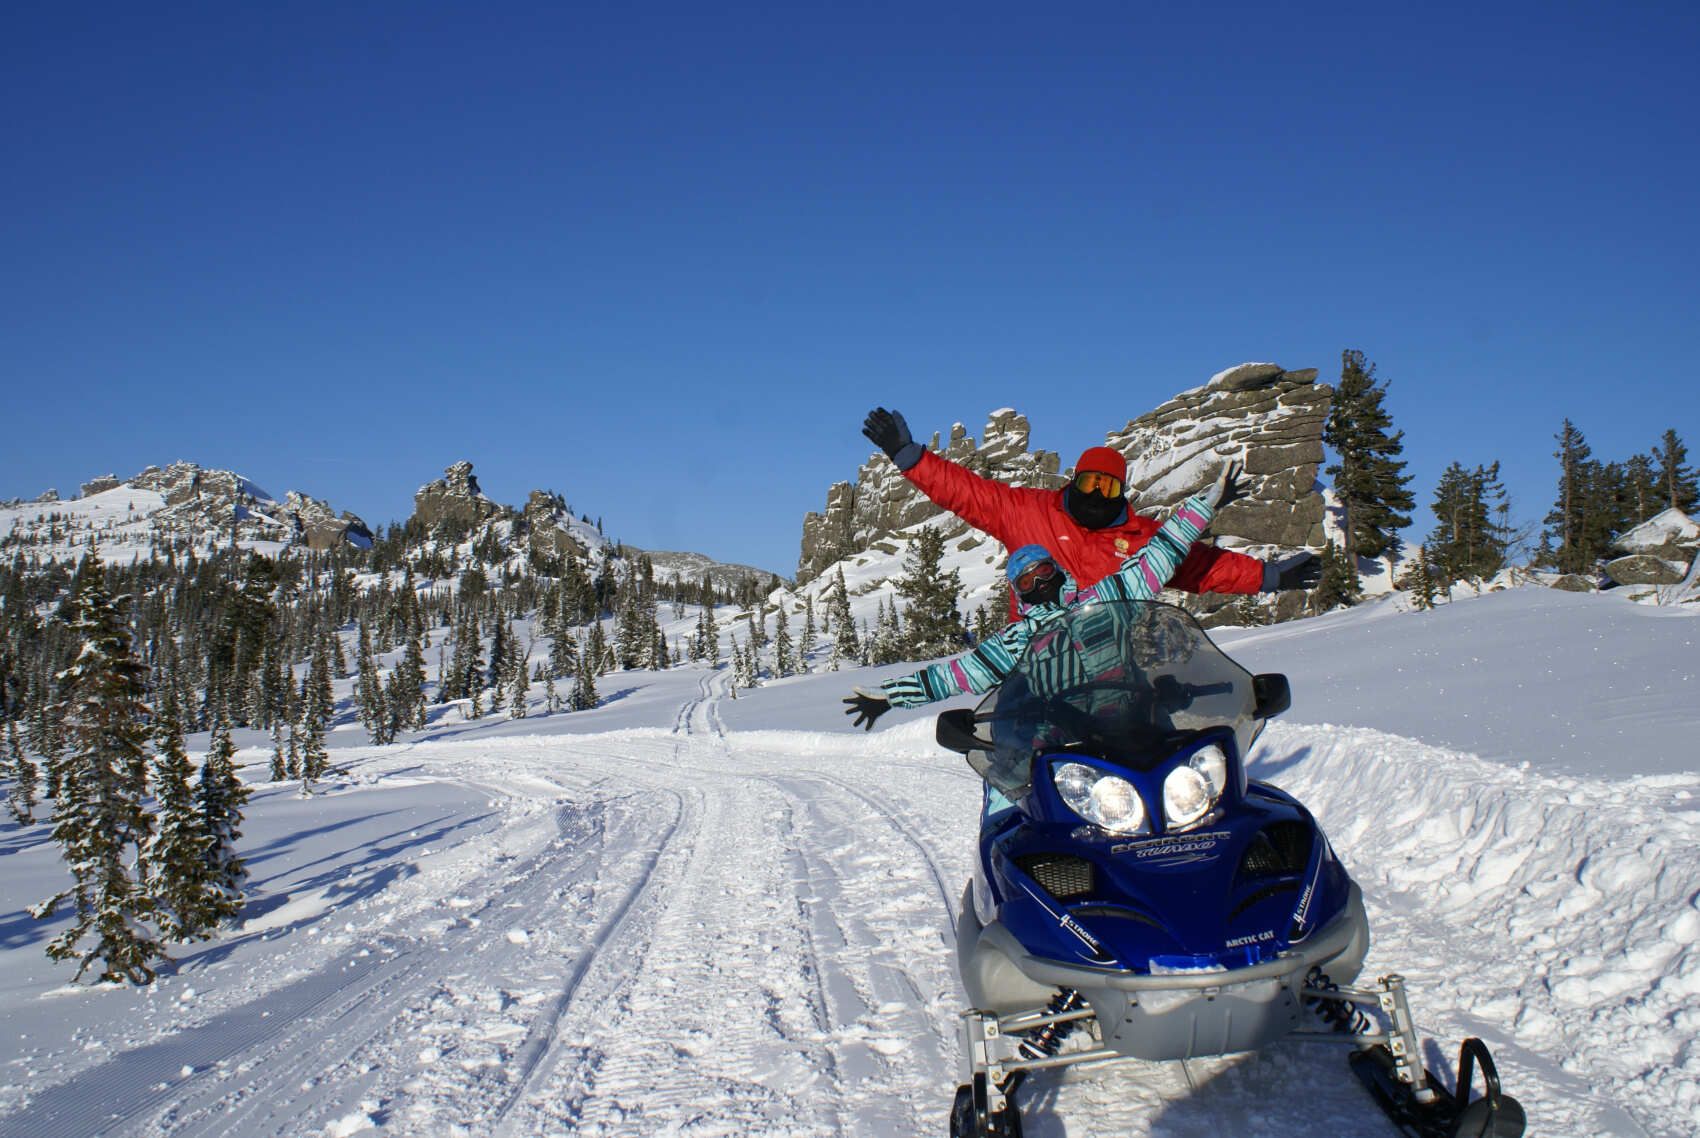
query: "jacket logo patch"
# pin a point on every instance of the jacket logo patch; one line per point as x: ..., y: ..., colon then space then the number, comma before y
x: 1122, y: 545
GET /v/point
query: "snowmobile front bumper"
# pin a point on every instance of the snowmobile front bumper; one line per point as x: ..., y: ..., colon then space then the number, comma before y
x: 1173, y: 1015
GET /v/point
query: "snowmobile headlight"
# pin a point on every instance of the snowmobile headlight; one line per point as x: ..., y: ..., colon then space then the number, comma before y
x: 1213, y: 765
x: 1101, y: 798
x: 1187, y: 797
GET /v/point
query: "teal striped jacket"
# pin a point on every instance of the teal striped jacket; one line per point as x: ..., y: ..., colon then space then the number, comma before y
x: 1140, y: 578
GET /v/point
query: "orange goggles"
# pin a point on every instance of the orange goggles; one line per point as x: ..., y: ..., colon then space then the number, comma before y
x: 1039, y: 571
x: 1096, y: 482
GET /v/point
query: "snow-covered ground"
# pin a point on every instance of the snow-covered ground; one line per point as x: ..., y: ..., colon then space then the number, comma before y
x: 689, y: 914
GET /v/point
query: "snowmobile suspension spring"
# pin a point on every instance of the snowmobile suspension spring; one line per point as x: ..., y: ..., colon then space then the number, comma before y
x: 1342, y: 1015
x: 1043, y: 1042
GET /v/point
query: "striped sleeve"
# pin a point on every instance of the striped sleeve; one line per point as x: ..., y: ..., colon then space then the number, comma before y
x: 1143, y: 575
x: 975, y: 671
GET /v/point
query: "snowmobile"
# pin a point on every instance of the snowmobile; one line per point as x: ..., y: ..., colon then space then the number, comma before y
x: 1136, y: 895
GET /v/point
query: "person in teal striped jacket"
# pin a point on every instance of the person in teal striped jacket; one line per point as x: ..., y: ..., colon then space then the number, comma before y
x: 1045, y: 590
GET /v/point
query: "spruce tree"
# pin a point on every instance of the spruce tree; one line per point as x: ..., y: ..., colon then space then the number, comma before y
x: 1677, y: 483
x: 934, y: 627
x: 1369, y: 476
x: 179, y: 873
x: 584, y: 689
x: 519, y: 690
x: 1339, y: 584
x: 1467, y: 543
x: 220, y: 798
x: 783, y: 663
x: 25, y: 778
x: 1566, y: 522
x: 843, y: 624
x: 99, y: 819
x: 279, y: 769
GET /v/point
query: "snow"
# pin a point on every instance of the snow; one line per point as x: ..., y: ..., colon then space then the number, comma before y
x: 688, y: 914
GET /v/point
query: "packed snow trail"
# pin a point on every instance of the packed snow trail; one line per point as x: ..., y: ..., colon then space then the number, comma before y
x: 735, y: 933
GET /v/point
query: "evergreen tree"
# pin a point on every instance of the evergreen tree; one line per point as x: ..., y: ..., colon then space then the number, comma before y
x: 1369, y: 476
x: 179, y: 873
x: 25, y: 778
x: 519, y: 690
x: 807, y: 644
x: 844, y: 642
x: 279, y: 769
x: 1339, y: 584
x: 1677, y: 483
x: 584, y: 689
x: 1467, y: 543
x: 1566, y: 522
x: 551, y: 696
x: 1419, y: 579
x: 934, y: 626
x: 220, y: 798
x: 99, y: 819
x: 783, y: 662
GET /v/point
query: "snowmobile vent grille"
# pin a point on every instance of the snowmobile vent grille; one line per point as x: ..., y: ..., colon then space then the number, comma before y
x: 1114, y: 913
x: 1263, y: 895
x: 1060, y: 875
x: 1280, y: 850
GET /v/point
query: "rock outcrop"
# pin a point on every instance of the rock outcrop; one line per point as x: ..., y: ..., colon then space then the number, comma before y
x: 454, y: 501
x: 546, y: 524
x: 1272, y: 416
x: 319, y: 526
x: 861, y: 514
x: 100, y: 485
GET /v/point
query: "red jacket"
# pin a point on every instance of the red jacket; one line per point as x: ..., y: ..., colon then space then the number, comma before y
x: 1018, y: 516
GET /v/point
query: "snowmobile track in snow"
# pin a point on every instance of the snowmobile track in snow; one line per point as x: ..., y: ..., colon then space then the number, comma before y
x: 289, y: 1039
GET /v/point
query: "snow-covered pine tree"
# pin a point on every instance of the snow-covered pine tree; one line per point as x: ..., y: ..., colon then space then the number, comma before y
x: 934, y: 625
x: 179, y: 873
x: 551, y: 695
x: 584, y: 689
x: 25, y: 777
x: 845, y: 641
x: 369, y: 687
x: 98, y: 818
x: 519, y: 689
x: 279, y: 769
x: 783, y: 661
x: 807, y: 644
x: 220, y: 798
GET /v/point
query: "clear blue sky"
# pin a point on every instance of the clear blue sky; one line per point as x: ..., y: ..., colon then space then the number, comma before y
x: 662, y: 258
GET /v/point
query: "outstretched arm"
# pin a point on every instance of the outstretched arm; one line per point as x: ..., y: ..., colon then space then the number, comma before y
x: 975, y: 671
x: 983, y: 503
x: 1144, y: 575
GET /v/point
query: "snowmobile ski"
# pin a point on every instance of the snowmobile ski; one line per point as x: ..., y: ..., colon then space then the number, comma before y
x: 1494, y: 1115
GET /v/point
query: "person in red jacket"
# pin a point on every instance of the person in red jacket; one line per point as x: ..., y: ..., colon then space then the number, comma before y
x: 1087, y: 525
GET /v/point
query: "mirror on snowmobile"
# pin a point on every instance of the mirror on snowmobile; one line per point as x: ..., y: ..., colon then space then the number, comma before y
x: 1274, y: 695
x: 955, y: 731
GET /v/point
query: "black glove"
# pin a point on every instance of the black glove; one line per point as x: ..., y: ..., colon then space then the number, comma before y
x: 866, y: 708
x: 1301, y: 572
x: 887, y: 430
x: 1227, y: 487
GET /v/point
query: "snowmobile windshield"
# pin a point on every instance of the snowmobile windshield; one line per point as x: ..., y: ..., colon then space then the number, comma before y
x: 1128, y: 681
